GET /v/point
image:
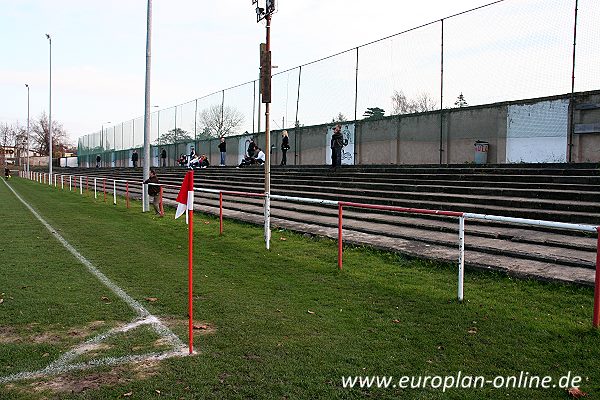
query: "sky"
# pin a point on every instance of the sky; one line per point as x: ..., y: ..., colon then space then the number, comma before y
x: 98, y: 49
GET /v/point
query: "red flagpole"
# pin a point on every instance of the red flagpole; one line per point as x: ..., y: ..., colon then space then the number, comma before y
x: 190, y: 274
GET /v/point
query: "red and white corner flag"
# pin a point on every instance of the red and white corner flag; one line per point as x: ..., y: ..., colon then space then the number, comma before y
x: 185, y: 198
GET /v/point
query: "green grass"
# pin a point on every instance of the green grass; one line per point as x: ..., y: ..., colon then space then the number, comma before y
x: 381, y: 315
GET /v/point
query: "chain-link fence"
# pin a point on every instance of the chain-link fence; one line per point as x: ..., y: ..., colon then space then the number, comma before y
x: 505, y: 51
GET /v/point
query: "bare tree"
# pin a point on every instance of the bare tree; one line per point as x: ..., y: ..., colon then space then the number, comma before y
x: 400, y: 104
x: 40, y: 137
x: 403, y: 105
x: 217, y: 121
x: 424, y: 102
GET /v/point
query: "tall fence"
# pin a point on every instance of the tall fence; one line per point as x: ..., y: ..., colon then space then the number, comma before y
x: 504, y: 51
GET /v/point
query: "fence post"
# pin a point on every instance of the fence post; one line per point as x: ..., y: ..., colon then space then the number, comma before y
x: 127, y: 193
x: 114, y: 192
x: 220, y: 213
x: 87, y: 184
x: 144, y: 197
x: 461, y: 257
x: 95, y: 188
x: 340, y: 222
x: 104, y: 188
x: 162, y: 211
x: 62, y: 182
x: 81, y: 185
x: 70, y: 183
x: 596, y: 320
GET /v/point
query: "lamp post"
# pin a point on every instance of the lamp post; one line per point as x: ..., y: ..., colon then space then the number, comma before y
x: 102, y: 135
x: 27, y: 148
x: 50, y: 114
x: 265, y: 91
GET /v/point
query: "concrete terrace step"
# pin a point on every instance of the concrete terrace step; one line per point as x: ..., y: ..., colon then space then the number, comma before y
x: 556, y: 193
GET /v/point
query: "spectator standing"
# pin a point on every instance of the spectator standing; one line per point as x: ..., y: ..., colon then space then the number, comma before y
x: 154, y: 191
x: 98, y: 159
x: 163, y: 156
x: 223, y: 151
x: 134, y: 158
x: 285, y: 146
x: 337, y: 142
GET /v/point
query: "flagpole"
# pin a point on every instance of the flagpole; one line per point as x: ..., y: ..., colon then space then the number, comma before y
x: 190, y: 212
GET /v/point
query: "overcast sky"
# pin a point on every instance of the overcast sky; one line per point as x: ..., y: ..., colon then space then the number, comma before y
x: 98, y: 49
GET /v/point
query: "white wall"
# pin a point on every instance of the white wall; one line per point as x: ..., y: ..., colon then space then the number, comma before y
x: 537, y: 132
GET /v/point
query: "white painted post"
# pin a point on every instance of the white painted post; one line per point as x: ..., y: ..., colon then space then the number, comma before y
x: 114, y: 192
x: 95, y: 189
x: 70, y: 182
x: 461, y: 257
x: 81, y: 185
x: 144, y: 186
x: 62, y: 182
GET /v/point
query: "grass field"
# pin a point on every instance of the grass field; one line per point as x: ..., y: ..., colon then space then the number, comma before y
x: 278, y: 324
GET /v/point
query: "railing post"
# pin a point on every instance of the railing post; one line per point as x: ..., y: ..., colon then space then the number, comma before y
x: 104, y: 188
x: 220, y: 213
x: 87, y: 184
x: 596, y: 319
x: 127, y: 193
x: 81, y: 185
x: 70, y: 183
x: 114, y: 192
x: 162, y: 210
x: 340, y: 222
x: 95, y: 188
x: 461, y: 257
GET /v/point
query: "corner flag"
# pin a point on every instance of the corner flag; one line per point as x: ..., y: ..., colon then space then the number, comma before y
x: 185, y: 198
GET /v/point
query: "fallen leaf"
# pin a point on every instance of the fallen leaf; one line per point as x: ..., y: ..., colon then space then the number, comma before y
x: 472, y: 330
x: 282, y: 238
x: 151, y: 299
x: 311, y: 312
x: 157, y: 391
x: 1, y: 301
x: 396, y: 321
x: 576, y: 393
x: 46, y: 355
x: 104, y: 298
x: 278, y: 310
x: 127, y: 394
x: 202, y: 327
x: 206, y: 222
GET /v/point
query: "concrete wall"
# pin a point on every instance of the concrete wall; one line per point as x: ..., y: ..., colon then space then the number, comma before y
x: 415, y: 138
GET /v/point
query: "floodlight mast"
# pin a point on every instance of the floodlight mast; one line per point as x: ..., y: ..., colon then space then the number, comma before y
x: 265, y: 85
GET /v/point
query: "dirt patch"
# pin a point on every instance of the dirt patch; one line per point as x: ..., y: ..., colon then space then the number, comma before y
x: 200, y: 327
x: 78, y: 384
x: 55, y: 335
x: 8, y: 335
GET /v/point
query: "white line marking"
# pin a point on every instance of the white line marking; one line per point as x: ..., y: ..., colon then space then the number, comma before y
x: 62, y: 365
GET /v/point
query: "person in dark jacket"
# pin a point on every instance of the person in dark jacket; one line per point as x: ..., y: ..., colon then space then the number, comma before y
x: 252, y: 148
x: 134, y: 158
x: 223, y: 151
x: 163, y: 156
x: 154, y: 191
x: 337, y: 142
x: 98, y: 159
x: 285, y: 146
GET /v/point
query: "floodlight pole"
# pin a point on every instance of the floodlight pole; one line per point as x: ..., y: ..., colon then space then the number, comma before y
x: 268, y: 147
x: 50, y: 114
x: 146, y: 169
x: 27, y: 86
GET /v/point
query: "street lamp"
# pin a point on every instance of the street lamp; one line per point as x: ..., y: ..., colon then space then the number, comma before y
x: 102, y: 135
x: 27, y: 170
x: 265, y: 91
x: 50, y: 115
